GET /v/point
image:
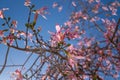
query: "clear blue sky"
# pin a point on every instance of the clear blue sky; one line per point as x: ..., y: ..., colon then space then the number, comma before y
x: 17, y: 11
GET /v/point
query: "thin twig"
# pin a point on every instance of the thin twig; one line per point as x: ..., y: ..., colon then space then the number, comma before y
x: 5, y: 62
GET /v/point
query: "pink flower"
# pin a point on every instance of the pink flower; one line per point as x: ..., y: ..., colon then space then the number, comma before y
x: 58, y: 28
x: 4, y: 40
x: 30, y: 36
x: 60, y: 8
x: 73, y: 33
x: 14, y: 22
x: 17, y: 75
x: 96, y: 7
x: 35, y: 17
x: 27, y: 3
x: 42, y: 12
x: 55, y: 5
x: 116, y: 75
x: 72, y: 62
x: 1, y: 33
x: 72, y: 59
x: 97, y: 1
x: 21, y: 33
x: 10, y: 38
x: 113, y: 9
x: 12, y: 30
x: 1, y: 14
x: 68, y: 23
x: 90, y: 1
x: 105, y: 8
x: 85, y: 17
x: 114, y: 12
x: 118, y: 46
x: 57, y: 37
x: 60, y: 36
x: 4, y: 9
x: 74, y: 4
x: 88, y: 42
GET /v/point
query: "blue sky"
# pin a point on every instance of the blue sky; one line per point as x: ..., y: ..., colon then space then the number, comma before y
x: 17, y: 11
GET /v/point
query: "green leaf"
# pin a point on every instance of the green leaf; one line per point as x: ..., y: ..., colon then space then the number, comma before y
x: 34, y: 23
x: 31, y: 26
x: 66, y: 52
x: 68, y: 45
x: 27, y: 25
x: 95, y: 77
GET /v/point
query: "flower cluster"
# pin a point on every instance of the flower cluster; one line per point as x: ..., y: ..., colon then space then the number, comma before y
x: 63, y: 33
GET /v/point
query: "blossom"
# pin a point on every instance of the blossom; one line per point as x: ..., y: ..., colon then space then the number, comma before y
x: 88, y: 42
x: 68, y: 23
x: 90, y: 1
x: 10, y: 38
x: 55, y: 5
x: 27, y: 3
x: 41, y: 11
x: 14, y: 22
x: 74, y: 55
x: 60, y: 8
x: 76, y: 16
x: 1, y: 12
x: 30, y: 35
x: 12, y: 30
x: 97, y: 1
x: 74, y: 4
x: 35, y: 17
x: 105, y: 8
x: 73, y: 33
x: 17, y: 75
x: 72, y: 62
x: 85, y: 17
x: 113, y: 9
x: 1, y: 33
x: 59, y: 34
x: 116, y: 75
x: 58, y: 28
x: 4, y: 40
x: 57, y: 37
x: 114, y: 12
x: 21, y: 33
x: 96, y: 7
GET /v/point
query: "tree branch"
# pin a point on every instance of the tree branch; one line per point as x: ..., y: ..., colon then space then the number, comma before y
x: 6, y: 57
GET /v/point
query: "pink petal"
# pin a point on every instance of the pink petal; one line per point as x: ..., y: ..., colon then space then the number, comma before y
x: 73, y: 3
x: 105, y: 8
x: 55, y: 5
x: 60, y: 8
x: 1, y: 14
x: 44, y: 17
x: 58, y: 28
x: 27, y: 3
x: 90, y: 1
